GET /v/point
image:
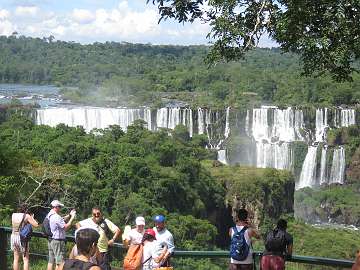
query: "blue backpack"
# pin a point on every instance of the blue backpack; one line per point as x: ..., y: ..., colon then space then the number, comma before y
x: 25, y: 231
x: 239, y: 248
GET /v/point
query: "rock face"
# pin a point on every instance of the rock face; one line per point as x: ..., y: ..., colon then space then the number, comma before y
x: 266, y: 193
x: 353, y: 171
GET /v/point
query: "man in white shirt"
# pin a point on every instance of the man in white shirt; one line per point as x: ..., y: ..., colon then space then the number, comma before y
x: 108, y: 231
x: 164, y: 238
x: 58, y: 226
x: 136, y: 235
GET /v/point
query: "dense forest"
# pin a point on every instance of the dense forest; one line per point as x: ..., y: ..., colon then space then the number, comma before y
x: 145, y: 173
x: 125, y: 72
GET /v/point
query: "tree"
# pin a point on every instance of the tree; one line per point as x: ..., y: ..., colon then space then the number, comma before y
x: 326, y: 33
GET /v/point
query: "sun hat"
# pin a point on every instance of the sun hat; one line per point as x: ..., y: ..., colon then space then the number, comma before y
x: 140, y: 221
x: 56, y: 203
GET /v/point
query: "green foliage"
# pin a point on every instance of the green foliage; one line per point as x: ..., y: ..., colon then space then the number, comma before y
x: 338, y: 203
x: 323, y: 33
x: 132, y: 74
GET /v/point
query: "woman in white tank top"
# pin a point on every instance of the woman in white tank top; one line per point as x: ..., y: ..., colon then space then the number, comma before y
x: 19, y: 248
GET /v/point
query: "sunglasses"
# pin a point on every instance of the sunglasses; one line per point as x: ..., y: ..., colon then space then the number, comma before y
x: 98, y: 214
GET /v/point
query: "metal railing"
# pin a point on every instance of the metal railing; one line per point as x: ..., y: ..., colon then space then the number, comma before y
x: 303, y: 260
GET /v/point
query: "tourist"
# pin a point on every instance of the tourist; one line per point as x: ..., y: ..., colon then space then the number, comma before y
x: 58, y: 226
x: 164, y: 238
x: 75, y: 252
x: 108, y: 231
x: 153, y: 257
x: 278, y: 246
x: 243, y: 230
x: 21, y: 248
x: 135, y: 236
x: 86, y: 243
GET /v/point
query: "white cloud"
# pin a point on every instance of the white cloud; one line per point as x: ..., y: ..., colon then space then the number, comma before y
x: 26, y: 11
x: 82, y: 16
x: 123, y: 22
x: 6, y: 26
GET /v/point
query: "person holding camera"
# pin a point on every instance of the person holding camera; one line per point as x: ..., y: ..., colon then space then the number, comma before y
x: 18, y: 246
x: 58, y: 226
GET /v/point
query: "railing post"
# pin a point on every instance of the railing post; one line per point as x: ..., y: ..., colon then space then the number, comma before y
x: 3, y: 249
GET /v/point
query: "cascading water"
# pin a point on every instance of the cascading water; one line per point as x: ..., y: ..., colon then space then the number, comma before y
x: 338, y: 166
x: 323, y: 174
x: 308, y: 171
x: 321, y: 124
x: 271, y: 130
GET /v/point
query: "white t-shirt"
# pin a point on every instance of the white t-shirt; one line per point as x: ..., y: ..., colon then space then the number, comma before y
x: 134, y: 237
x: 150, y: 250
x: 249, y: 259
x: 165, y: 238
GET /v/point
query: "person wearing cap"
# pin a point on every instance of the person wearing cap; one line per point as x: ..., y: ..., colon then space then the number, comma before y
x: 152, y: 255
x: 164, y: 238
x: 135, y: 235
x: 108, y: 231
x: 58, y: 226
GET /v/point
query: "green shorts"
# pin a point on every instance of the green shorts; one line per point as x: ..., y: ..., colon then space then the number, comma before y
x: 56, y: 251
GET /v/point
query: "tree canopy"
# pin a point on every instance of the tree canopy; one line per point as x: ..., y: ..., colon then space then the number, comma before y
x: 326, y: 33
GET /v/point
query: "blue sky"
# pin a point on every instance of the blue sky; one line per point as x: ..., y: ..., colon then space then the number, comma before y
x: 87, y: 21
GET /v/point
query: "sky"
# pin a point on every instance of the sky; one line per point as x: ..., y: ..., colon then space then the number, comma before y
x: 88, y: 21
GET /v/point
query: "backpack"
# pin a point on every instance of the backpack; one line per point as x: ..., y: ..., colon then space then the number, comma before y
x: 25, y: 231
x: 133, y: 258
x: 275, y: 241
x: 46, y: 227
x: 74, y: 264
x: 239, y: 248
x: 103, y: 225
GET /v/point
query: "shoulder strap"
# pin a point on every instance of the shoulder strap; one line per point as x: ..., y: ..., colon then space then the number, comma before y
x: 244, y: 229
x: 22, y: 221
x: 147, y: 260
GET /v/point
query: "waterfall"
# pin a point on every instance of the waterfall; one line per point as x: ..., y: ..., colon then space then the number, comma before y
x: 347, y: 117
x: 222, y: 156
x: 201, y: 124
x: 323, y: 176
x: 147, y: 118
x: 321, y: 124
x: 277, y: 156
x: 338, y: 166
x: 227, y: 123
x: 308, y: 171
x: 247, y: 123
x: 88, y: 117
x: 273, y: 130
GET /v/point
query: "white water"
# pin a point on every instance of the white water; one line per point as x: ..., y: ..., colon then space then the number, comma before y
x: 321, y: 124
x: 338, y: 166
x: 308, y: 171
x: 277, y: 156
x: 323, y: 175
x: 222, y: 156
x: 88, y: 117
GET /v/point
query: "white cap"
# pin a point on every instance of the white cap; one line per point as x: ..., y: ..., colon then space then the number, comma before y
x: 140, y: 221
x: 56, y: 203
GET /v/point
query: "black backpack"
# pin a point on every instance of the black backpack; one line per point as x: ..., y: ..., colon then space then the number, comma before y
x: 276, y: 241
x: 74, y: 264
x: 46, y: 227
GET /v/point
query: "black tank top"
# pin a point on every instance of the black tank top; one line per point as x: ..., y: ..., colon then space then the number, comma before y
x: 74, y: 264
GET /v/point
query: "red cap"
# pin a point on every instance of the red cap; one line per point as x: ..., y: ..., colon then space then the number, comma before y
x: 150, y: 232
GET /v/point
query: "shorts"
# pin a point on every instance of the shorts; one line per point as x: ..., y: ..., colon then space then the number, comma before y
x: 272, y: 262
x: 56, y: 251
x: 235, y: 266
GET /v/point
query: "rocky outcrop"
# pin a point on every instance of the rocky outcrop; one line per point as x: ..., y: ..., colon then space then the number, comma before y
x: 266, y: 193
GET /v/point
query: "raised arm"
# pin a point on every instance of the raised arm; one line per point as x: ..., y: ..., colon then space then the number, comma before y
x: 32, y: 221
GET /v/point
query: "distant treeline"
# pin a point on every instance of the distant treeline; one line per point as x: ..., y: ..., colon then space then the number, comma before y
x: 116, y: 70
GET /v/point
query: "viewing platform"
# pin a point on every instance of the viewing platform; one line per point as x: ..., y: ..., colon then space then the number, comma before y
x: 295, y: 262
